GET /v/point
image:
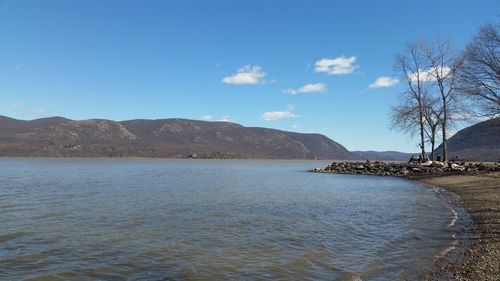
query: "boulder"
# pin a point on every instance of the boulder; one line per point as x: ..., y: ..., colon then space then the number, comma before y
x: 456, y: 167
x: 438, y: 164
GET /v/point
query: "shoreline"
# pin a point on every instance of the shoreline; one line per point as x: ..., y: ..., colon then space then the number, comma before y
x: 473, y: 189
x: 166, y: 158
x: 477, y: 251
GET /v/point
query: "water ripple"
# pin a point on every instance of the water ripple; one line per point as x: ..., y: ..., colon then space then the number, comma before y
x: 64, y: 219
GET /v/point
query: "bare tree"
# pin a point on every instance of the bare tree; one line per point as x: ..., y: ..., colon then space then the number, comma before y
x: 433, y: 114
x: 409, y: 115
x: 479, y: 77
x: 404, y: 117
x: 442, y: 65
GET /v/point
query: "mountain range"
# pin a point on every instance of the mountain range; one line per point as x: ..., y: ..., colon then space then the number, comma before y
x: 169, y: 138
x: 382, y: 155
x: 183, y: 138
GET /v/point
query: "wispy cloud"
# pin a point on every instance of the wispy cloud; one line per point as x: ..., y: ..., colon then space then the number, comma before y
x: 429, y: 75
x: 277, y: 115
x: 308, y: 88
x: 246, y: 75
x: 384, y: 82
x: 337, y: 66
x: 36, y: 113
x: 16, y: 105
x: 29, y: 111
x: 207, y: 117
x: 224, y: 118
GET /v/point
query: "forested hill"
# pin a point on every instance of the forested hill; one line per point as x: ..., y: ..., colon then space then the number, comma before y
x: 177, y: 138
x: 480, y: 142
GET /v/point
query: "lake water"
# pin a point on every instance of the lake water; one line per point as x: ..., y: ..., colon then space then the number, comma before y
x: 136, y: 219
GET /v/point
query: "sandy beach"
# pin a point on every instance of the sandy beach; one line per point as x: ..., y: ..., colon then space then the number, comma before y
x: 477, y: 253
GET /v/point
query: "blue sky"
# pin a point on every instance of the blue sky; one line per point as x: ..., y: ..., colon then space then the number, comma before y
x: 303, y: 66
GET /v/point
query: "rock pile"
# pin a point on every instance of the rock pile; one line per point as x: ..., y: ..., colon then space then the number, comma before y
x: 407, y: 170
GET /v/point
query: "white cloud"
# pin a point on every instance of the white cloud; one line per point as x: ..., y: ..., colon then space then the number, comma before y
x: 207, y: 117
x: 430, y: 74
x: 384, y: 82
x: 224, y: 118
x: 461, y: 116
x: 295, y: 126
x: 308, y: 88
x: 246, y: 75
x: 277, y: 115
x: 337, y: 66
x: 16, y: 105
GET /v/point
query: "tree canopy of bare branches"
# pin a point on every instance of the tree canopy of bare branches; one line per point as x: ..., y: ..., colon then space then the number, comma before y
x: 479, y: 77
x: 430, y: 98
x: 443, y: 64
x: 409, y: 115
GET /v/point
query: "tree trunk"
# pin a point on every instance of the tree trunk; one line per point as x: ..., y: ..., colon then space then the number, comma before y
x: 421, y: 123
x: 422, y: 143
x: 443, y: 126
x: 433, y: 142
x: 445, y: 145
x: 433, y: 154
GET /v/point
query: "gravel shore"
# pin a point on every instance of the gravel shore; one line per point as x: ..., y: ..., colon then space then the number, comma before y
x: 477, y: 254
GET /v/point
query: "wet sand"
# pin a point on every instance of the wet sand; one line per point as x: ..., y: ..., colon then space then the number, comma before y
x: 477, y: 253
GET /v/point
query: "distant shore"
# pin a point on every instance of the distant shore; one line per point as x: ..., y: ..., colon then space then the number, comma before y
x: 477, y: 253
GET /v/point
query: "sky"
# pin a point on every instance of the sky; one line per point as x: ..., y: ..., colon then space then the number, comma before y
x: 306, y: 66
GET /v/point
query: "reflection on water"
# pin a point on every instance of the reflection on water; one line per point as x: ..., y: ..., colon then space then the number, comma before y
x: 191, y: 220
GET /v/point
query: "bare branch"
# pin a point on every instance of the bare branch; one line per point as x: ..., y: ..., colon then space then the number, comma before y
x: 479, y: 77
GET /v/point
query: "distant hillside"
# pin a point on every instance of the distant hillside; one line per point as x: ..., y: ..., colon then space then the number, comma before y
x: 480, y: 142
x: 382, y: 155
x: 177, y: 138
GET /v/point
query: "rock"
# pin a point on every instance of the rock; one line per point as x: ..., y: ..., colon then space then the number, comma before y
x: 456, y: 167
x: 438, y: 164
x: 426, y: 164
x: 399, y: 169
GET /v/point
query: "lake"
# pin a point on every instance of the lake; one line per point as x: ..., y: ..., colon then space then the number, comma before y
x: 147, y: 219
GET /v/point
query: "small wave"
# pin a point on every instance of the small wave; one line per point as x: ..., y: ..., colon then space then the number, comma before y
x: 450, y: 248
x: 448, y: 198
x: 454, y: 219
x: 454, y: 236
x: 15, y: 235
x: 451, y: 201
